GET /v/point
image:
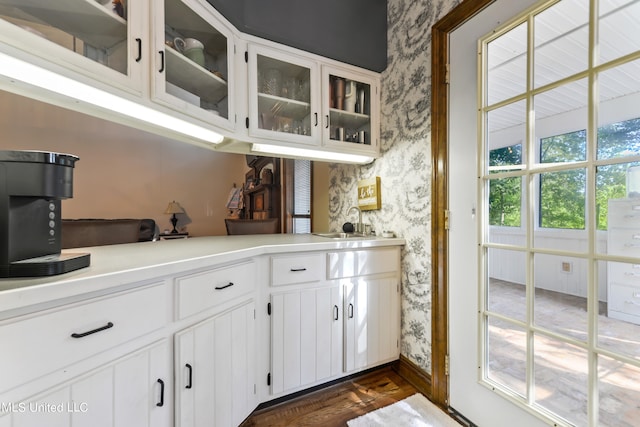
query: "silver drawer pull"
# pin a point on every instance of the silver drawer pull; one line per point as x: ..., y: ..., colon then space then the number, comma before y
x: 298, y: 269
x: 228, y: 285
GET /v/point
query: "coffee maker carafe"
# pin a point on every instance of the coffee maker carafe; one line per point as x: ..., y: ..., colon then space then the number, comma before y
x: 32, y: 186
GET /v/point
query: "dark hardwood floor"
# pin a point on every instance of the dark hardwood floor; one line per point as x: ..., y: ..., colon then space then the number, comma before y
x: 336, y: 404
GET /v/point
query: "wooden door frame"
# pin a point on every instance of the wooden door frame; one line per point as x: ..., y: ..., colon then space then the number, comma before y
x: 439, y: 189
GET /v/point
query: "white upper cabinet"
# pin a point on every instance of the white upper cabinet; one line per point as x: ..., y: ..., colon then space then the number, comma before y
x: 193, y: 67
x: 350, y: 106
x: 290, y: 101
x: 90, y: 37
x: 283, y: 96
x: 184, y: 59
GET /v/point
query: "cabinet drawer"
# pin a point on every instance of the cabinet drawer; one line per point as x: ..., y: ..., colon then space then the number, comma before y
x: 624, y: 213
x: 201, y: 291
x: 624, y: 273
x: 624, y: 241
x: 290, y: 269
x: 363, y: 263
x: 42, y: 343
x: 624, y: 299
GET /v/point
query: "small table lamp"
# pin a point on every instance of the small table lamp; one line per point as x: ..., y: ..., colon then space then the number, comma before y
x: 173, y: 209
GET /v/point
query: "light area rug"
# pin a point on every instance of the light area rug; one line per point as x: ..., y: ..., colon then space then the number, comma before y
x: 414, y: 411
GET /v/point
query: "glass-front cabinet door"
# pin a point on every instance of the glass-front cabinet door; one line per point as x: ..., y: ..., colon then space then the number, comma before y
x: 193, y: 62
x: 93, y: 37
x: 283, y: 100
x: 350, y: 110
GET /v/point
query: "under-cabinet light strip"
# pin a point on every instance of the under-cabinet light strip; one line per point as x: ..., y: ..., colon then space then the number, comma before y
x: 306, y: 153
x: 33, y: 75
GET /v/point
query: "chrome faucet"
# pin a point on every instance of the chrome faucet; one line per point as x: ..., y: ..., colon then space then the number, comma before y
x: 359, y: 225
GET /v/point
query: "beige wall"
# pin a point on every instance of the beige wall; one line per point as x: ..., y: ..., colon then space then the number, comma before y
x: 123, y: 172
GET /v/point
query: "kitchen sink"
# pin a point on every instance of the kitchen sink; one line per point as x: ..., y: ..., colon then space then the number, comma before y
x: 338, y: 235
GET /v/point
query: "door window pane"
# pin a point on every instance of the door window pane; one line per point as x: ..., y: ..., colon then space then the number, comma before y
x: 561, y: 31
x: 560, y: 300
x: 619, y: 111
x: 507, y: 62
x: 505, y: 199
x: 619, y: 392
x: 615, y: 20
x: 561, y: 378
x: 615, y: 181
x: 562, y: 200
x: 506, y: 294
x: 561, y: 111
x: 507, y: 343
x: 619, y: 321
x: 506, y: 135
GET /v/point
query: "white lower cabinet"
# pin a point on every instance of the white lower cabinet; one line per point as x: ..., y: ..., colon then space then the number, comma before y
x: 306, y: 337
x: 135, y: 390
x: 339, y: 326
x: 183, y: 350
x: 371, y: 322
x: 214, y: 369
x: 623, y: 279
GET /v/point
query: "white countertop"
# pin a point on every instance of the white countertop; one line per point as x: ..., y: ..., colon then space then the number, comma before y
x: 119, y: 265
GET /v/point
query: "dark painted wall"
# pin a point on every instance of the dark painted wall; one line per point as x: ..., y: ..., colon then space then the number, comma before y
x: 350, y: 31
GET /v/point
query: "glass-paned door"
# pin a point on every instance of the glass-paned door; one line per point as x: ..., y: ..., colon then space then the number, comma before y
x: 560, y: 212
x: 109, y: 34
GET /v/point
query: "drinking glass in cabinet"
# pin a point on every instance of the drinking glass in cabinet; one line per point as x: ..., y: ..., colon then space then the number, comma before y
x: 283, y: 96
x: 349, y: 110
x: 196, y: 69
x: 95, y: 29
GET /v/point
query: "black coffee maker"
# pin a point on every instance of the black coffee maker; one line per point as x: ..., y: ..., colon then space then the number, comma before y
x: 32, y: 186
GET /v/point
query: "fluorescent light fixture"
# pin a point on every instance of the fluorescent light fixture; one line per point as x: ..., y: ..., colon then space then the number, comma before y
x: 307, y: 153
x: 39, y: 77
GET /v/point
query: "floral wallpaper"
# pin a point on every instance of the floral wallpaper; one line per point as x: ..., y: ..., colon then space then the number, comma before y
x: 405, y: 165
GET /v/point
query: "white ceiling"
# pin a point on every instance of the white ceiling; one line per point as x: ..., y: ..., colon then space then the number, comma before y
x: 561, y: 40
